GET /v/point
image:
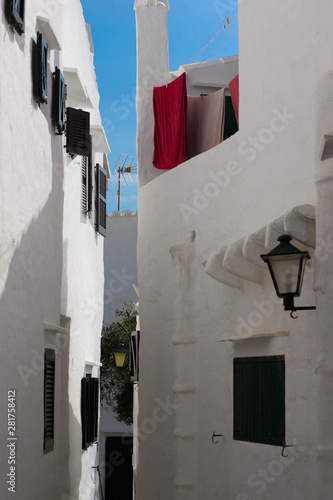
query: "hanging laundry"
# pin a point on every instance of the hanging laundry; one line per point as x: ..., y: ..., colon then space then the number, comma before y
x: 234, y: 91
x: 170, y: 108
x: 205, y: 121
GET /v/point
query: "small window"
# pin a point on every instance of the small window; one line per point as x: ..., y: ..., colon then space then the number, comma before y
x: 15, y: 14
x: 101, y: 188
x: 58, y: 101
x: 40, y: 70
x: 49, y: 379
x: 78, y: 132
x: 89, y: 410
x: 134, y: 359
x: 259, y: 400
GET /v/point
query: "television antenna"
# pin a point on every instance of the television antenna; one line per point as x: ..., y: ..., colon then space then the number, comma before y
x: 123, y: 169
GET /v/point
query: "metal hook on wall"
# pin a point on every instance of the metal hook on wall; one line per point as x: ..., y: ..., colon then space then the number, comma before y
x: 214, y: 436
x: 285, y: 445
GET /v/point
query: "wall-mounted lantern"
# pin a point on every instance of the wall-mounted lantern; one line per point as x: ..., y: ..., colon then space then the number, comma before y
x: 286, y: 264
x: 120, y: 356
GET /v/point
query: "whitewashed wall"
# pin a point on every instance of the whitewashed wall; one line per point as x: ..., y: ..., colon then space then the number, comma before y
x: 223, y: 195
x: 51, y: 261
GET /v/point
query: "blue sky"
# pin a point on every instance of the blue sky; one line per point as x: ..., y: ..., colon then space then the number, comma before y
x: 191, y: 24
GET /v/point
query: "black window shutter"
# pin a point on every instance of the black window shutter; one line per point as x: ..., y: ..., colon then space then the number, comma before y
x: 41, y: 69
x: 58, y: 101
x: 101, y: 188
x: 259, y: 399
x: 15, y: 13
x: 84, y: 417
x: 90, y: 181
x: 85, y: 187
x: 49, y: 382
x: 89, y: 410
x: 78, y: 132
x: 134, y: 358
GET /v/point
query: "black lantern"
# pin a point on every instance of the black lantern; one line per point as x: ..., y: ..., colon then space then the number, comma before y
x: 286, y: 264
x: 120, y: 356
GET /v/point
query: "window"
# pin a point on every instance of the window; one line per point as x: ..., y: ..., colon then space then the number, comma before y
x: 259, y: 400
x: 89, y: 410
x: 101, y: 188
x: 49, y: 377
x: 134, y: 359
x: 78, y: 132
x: 40, y: 70
x: 58, y: 101
x: 15, y: 14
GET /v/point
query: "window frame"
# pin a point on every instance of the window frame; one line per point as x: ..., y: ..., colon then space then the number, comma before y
x: 58, y: 101
x: 15, y: 14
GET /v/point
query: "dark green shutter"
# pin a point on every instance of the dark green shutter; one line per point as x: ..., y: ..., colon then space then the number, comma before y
x: 78, y: 132
x: 259, y: 399
x: 41, y: 69
x: 101, y: 188
x: 134, y: 356
x: 49, y: 382
x: 58, y: 101
x: 15, y: 14
x: 89, y: 410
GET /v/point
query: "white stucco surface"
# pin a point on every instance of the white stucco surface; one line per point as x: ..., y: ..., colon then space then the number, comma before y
x: 225, y: 195
x: 52, y: 275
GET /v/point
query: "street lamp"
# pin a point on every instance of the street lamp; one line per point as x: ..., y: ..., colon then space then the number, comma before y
x: 286, y: 264
x: 120, y: 356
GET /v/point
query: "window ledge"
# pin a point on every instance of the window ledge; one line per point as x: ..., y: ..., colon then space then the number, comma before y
x: 100, y: 142
x: 76, y: 92
x: 49, y: 327
x: 255, y: 336
x: 45, y: 27
x: 93, y: 363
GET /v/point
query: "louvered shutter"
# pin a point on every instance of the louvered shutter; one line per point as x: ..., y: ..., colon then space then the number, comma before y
x: 85, y: 384
x: 90, y: 181
x: 41, y: 69
x: 101, y: 188
x: 85, y: 186
x: 58, y: 101
x: 15, y: 12
x: 89, y: 410
x: 49, y: 381
x: 78, y: 132
x: 259, y: 399
x: 134, y: 356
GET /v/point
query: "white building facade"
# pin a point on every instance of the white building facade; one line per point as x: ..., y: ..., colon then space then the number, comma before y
x: 53, y: 220
x: 208, y: 309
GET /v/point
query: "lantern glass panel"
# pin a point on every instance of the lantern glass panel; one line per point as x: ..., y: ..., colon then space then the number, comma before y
x: 287, y: 273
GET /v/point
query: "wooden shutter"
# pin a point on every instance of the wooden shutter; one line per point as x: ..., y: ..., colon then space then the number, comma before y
x: 41, y: 69
x: 259, y: 399
x: 15, y: 14
x: 49, y: 380
x: 101, y: 188
x: 134, y: 356
x: 85, y: 187
x: 89, y: 410
x: 58, y: 101
x: 78, y: 132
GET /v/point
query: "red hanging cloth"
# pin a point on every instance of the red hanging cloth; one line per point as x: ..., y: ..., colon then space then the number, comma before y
x: 234, y: 91
x: 170, y: 110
